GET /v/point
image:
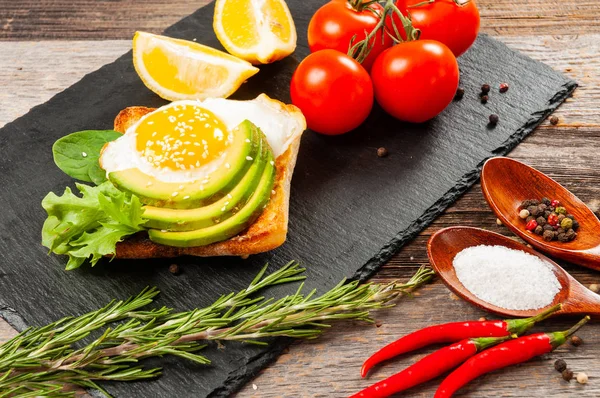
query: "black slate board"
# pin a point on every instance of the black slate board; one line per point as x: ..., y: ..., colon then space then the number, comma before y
x: 350, y: 211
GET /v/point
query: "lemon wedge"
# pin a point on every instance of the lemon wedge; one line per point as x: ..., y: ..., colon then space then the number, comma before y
x: 179, y: 69
x: 259, y: 31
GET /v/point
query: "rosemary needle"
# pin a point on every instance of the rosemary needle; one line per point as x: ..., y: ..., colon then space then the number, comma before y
x: 41, y: 361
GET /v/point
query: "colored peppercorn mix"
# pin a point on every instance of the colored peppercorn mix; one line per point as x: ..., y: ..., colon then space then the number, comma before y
x: 549, y: 219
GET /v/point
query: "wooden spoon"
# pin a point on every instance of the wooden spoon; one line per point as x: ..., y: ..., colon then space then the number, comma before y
x: 506, y: 183
x: 445, y: 244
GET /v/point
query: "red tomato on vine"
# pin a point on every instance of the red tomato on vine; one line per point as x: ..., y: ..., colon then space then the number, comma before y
x: 416, y: 80
x: 333, y: 91
x: 452, y: 22
x: 336, y: 23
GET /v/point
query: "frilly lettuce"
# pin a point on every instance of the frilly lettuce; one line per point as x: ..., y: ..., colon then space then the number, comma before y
x: 90, y: 225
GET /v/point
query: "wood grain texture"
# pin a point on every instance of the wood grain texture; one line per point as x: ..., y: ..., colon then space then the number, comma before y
x: 330, y: 366
x: 119, y: 19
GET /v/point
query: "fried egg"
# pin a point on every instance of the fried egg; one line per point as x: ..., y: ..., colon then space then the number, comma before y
x: 187, y: 140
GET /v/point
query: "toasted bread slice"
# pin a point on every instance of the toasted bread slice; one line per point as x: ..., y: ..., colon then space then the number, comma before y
x: 268, y: 232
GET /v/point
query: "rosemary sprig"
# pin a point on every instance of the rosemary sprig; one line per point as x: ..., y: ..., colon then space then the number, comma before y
x: 41, y: 361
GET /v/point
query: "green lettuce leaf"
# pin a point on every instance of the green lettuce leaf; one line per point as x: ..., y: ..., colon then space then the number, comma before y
x: 89, y: 226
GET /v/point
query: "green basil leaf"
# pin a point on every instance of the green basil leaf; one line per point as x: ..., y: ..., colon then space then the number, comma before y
x: 77, y: 154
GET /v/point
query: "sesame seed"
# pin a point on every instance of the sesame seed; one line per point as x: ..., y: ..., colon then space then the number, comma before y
x: 206, y: 125
x: 191, y: 121
x: 196, y: 144
x: 172, y: 119
x: 186, y: 143
x: 227, y: 165
x: 272, y: 162
x: 181, y: 115
x: 248, y: 140
x: 249, y: 158
x: 163, y: 230
x: 186, y: 197
x: 154, y: 134
x: 150, y: 123
x: 191, y: 153
x: 84, y: 154
x: 223, y: 208
x: 229, y: 196
x: 149, y: 183
x: 174, y: 194
x: 273, y: 192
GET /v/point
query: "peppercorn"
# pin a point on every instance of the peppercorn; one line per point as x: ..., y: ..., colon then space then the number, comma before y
x: 482, y: 319
x: 561, y: 230
x: 555, y: 203
x: 541, y: 221
x: 382, y: 152
x: 548, y: 235
x: 582, y: 378
x: 560, y: 218
x: 567, y: 374
x: 554, y: 120
x: 560, y: 210
x: 551, y: 208
x: 485, y: 88
x: 560, y: 365
x: 535, y: 202
x: 484, y: 99
x: 547, y: 213
x: 546, y: 201
x: 538, y: 230
x: 548, y: 227
x: 174, y: 269
x: 571, y: 234
x: 594, y: 287
x: 553, y: 219
x: 503, y: 87
x: 526, y: 203
x: 531, y: 225
x: 460, y: 93
x: 576, y: 341
x: 534, y: 210
x: 562, y: 237
x: 566, y: 223
x: 524, y: 214
x: 571, y: 216
x: 575, y: 225
x: 498, y: 222
x: 529, y: 218
x: 494, y: 119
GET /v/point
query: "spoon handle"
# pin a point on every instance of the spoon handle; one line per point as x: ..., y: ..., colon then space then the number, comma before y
x: 581, y: 300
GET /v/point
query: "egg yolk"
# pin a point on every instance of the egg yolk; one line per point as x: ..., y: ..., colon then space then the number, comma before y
x: 181, y: 137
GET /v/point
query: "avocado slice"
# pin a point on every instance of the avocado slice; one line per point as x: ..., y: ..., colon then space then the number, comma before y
x: 230, y: 227
x: 185, y: 195
x: 219, y: 211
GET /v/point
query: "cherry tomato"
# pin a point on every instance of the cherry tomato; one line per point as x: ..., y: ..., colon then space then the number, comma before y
x: 336, y: 23
x: 452, y: 22
x: 416, y: 80
x: 333, y: 91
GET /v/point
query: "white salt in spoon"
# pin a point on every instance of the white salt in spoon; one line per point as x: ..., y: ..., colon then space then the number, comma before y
x: 445, y: 244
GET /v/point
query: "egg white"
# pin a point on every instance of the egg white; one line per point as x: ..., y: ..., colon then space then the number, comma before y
x: 280, y: 123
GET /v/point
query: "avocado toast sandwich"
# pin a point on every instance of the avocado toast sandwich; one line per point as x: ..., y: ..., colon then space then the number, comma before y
x: 201, y: 178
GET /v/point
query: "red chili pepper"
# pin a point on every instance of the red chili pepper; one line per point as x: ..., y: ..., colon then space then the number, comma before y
x: 429, y: 367
x: 506, y: 354
x: 451, y: 333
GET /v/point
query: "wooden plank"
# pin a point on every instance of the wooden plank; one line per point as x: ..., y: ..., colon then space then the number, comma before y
x: 110, y: 19
x: 329, y: 366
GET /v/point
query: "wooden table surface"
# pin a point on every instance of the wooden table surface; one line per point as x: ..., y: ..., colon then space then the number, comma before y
x: 47, y: 46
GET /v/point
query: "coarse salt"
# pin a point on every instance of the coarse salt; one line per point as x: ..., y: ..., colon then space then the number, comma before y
x: 507, y: 278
